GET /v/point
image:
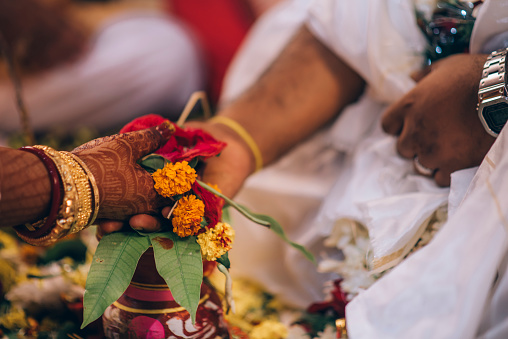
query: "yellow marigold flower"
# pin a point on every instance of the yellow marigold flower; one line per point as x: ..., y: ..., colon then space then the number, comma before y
x: 187, y: 216
x: 216, y: 241
x: 269, y: 329
x: 174, y: 179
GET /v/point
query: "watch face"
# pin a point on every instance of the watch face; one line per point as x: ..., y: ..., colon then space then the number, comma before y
x: 495, y: 116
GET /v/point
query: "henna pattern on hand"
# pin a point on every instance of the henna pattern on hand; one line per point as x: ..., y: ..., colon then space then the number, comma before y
x: 125, y: 188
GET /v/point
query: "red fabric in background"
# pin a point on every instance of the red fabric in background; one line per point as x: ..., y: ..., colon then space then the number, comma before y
x: 220, y: 25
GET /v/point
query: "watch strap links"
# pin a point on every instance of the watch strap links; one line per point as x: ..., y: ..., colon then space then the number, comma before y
x: 493, y: 84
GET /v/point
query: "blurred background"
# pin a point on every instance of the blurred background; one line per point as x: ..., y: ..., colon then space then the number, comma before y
x: 88, y: 67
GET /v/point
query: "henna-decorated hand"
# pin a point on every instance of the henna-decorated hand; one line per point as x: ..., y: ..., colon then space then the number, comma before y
x: 228, y: 172
x: 437, y: 120
x: 125, y: 188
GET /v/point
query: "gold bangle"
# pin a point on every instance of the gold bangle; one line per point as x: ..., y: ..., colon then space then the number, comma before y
x: 235, y: 126
x: 68, y: 208
x: 84, y: 194
x: 94, y: 187
x: 75, y: 212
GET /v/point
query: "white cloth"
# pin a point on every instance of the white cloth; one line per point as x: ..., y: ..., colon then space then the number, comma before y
x: 138, y: 63
x: 350, y: 170
x: 445, y: 289
x: 352, y: 163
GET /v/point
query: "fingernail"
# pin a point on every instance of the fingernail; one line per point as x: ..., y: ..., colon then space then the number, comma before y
x: 166, y: 129
x: 139, y: 229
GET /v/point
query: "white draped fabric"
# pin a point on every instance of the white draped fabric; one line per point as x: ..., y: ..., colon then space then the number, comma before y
x: 351, y: 170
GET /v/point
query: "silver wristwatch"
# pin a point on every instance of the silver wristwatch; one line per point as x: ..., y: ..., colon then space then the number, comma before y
x: 493, y: 92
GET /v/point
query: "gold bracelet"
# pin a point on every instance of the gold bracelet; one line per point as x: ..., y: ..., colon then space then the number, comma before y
x: 84, y: 194
x: 235, y: 126
x: 75, y: 212
x: 68, y: 208
x: 94, y: 187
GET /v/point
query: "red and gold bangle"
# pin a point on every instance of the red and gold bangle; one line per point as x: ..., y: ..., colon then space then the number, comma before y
x: 43, y: 226
x: 75, y: 198
x: 69, y: 205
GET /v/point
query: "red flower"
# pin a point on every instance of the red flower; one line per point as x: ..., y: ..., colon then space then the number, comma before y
x: 337, y: 304
x: 186, y: 144
x: 213, y: 204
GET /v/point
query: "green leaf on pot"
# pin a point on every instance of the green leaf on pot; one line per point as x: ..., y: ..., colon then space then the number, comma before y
x: 261, y: 219
x: 178, y: 261
x: 153, y: 162
x: 111, y: 271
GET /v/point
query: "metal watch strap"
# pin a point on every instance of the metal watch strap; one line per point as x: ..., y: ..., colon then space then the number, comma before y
x: 492, y: 84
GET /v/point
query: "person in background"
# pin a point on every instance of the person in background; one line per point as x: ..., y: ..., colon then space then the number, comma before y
x: 97, y: 65
x: 100, y: 64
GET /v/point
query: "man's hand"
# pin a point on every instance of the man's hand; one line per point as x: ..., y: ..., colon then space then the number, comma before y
x: 437, y: 120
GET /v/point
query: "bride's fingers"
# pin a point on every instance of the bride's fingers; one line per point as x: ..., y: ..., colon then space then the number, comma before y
x: 110, y: 226
x: 165, y: 211
x: 145, y: 223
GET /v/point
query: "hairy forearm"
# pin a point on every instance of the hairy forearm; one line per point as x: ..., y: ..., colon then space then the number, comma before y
x: 25, y: 189
x: 302, y: 90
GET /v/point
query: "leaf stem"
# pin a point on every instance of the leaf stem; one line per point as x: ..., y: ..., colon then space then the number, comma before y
x: 238, y: 207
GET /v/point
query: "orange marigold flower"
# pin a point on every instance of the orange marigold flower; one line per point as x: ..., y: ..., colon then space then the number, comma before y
x: 216, y: 241
x: 174, y: 179
x: 187, y: 216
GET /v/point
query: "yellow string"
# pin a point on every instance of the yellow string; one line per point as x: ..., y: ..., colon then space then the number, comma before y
x: 244, y: 135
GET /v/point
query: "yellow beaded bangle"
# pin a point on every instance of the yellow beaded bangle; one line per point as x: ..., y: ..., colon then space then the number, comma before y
x: 258, y: 159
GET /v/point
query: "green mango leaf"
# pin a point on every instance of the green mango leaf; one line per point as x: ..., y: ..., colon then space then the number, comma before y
x: 153, y: 162
x: 224, y: 260
x: 111, y: 271
x: 178, y: 261
x: 261, y: 219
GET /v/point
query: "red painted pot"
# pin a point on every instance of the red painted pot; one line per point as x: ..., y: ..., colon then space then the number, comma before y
x: 147, y: 310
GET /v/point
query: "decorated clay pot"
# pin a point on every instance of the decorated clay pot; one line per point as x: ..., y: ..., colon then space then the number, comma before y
x: 147, y: 310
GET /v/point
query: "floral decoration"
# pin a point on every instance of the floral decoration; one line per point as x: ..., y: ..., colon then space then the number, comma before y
x: 216, y: 241
x: 197, y: 227
x: 187, y: 216
x: 174, y: 179
x: 186, y: 144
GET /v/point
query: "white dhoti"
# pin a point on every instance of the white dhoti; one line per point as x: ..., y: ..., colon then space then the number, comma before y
x: 351, y: 170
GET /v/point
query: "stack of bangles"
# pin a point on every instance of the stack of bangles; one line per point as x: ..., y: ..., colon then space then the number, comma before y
x: 74, y: 200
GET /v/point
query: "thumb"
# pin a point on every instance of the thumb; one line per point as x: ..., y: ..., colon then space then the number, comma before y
x: 392, y: 120
x: 149, y: 140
